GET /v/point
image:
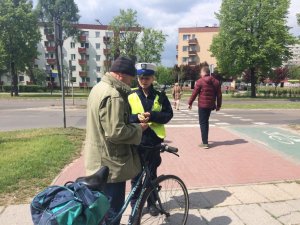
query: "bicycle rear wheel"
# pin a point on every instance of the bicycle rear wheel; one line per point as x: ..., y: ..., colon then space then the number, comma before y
x: 171, y: 192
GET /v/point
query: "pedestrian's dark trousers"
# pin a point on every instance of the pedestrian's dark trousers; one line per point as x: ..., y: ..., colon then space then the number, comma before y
x: 153, y: 159
x: 116, y: 193
x: 204, y: 115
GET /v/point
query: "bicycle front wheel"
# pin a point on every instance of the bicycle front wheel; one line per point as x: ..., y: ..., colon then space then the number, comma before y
x: 170, y: 199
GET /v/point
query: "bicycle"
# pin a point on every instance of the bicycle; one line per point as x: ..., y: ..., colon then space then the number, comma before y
x: 172, y: 203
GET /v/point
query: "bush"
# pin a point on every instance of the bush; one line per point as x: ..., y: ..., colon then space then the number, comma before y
x: 26, y: 88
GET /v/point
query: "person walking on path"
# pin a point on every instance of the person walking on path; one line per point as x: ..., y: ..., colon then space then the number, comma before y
x: 208, y: 90
x: 153, y: 107
x: 176, y: 93
x: 110, y: 137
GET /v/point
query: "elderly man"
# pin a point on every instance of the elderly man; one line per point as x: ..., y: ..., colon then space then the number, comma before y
x: 110, y: 137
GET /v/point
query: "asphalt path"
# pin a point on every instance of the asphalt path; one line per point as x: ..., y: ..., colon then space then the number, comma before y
x: 18, y: 114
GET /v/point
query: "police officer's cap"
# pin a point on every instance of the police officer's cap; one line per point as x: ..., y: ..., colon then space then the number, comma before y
x: 145, y: 69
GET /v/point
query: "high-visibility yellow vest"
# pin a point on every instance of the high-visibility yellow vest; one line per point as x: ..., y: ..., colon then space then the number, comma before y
x: 137, y: 107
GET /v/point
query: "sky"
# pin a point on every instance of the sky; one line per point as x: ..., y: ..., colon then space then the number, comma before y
x: 166, y: 15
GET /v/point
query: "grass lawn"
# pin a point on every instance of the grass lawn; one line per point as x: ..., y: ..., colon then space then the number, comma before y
x: 44, y: 95
x: 285, y: 105
x: 31, y: 159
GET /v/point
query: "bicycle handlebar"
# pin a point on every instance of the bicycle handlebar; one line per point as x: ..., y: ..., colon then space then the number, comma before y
x: 170, y: 149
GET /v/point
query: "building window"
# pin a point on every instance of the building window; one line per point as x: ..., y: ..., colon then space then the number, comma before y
x: 98, y: 68
x: 97, y: 45
x: 97, y: 34
x: 98, y: 79
x: 73, y: 57
x: 98, y: 57
x: 108, y: 34
x: 84, y: 45
x: 73, y: 79
x: 46, y: 43
x: 46, y: 55
x: 185, y: 48
x: 85, y: 33
x: 186, y: 37
x: 21, y: 78
x: 73, y: 68
x: 185, y: 59
x: 72, y: 44
x: 85, y: 79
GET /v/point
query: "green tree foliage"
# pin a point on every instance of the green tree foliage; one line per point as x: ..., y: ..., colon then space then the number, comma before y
x: 298, y: 18
x: 253, y: 36
x: 40, y: 76
x: 294, y: 72
x: 127, y: 41
x: 126, y: 30
x: 164, y: 75
x: 65, y: 14
x: 19, y: 37
x: 151, y: 46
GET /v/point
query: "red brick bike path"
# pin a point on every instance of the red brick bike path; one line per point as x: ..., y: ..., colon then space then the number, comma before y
x: 231, y: 160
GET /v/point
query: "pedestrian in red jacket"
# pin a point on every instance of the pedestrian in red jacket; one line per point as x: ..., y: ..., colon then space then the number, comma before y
x: 208, y: 90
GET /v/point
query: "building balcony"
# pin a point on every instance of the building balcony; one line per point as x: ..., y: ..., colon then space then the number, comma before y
x: 192, y: 63
x: 82, y: 50
x: 192, y: 52
x: 107, y: 63
x: 50, y: 49
x: 50, y: 37
x: 106, y: 40
x: 82, y: 62
x: 82, y: 38
x: 193, y: 41
x: 83, y: 84
x: 51, y: 61
x: 83, y: 73
x: 106, y: 51
x: 176, y: 47
x: 177, y: 57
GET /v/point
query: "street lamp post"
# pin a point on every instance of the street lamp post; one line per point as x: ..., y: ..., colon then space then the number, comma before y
x: 59, y: 40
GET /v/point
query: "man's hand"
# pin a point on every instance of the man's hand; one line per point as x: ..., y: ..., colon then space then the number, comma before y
x: 218, y: 109
x: 144, y: 126
x: 190, y: 107
x: 143, y: 117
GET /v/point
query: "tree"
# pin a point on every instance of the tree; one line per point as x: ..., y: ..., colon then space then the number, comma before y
x: 151, y: 46
x: 294, y: 72
x: 127, y: 41
x: 164, y: 75
x: 60, y: 16
x: 126, y: 30
x: 39, y: 76
x: 278, y: 75
x: 298, y: 18
x: 253, y: 36
x: 19, y: 37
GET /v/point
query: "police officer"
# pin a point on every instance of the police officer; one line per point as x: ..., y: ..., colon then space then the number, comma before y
x: 153, y: 107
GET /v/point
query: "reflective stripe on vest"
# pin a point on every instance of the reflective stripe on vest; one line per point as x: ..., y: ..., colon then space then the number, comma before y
x: 137, y: 107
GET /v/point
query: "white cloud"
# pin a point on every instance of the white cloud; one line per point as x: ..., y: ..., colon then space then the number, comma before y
x: 166, y: 15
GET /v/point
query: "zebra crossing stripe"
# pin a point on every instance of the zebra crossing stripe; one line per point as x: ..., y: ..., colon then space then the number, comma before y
x: 260, y: 123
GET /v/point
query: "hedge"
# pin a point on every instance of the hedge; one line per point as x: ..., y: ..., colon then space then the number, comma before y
x: 26, y: 88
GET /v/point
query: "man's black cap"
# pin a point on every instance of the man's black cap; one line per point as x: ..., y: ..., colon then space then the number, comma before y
x: 123, y: 65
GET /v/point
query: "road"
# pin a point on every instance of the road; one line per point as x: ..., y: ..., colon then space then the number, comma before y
x: 26, y: 113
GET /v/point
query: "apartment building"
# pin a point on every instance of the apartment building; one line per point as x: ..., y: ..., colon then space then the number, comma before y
x: 295, y: 60
x: 193, y: 45
x: 85, y: 57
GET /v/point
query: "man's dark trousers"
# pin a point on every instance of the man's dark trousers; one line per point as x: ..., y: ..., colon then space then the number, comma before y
x: 204, y: 115
x: 116, y: 192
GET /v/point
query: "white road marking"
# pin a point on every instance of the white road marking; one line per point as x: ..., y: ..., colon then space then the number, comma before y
x: 227, y: 115
x: 246, y: 119
x: 236, y: 117
x: 214, y: 120
x: 222, y: 123
x: 259, y: 123
x: 220, y: 113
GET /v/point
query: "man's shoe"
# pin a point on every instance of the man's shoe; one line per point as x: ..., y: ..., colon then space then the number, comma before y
x: 205, y: 146
x: 153, y: 210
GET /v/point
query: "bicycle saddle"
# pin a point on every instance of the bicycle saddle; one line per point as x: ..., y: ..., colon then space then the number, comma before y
x: 96, y: 181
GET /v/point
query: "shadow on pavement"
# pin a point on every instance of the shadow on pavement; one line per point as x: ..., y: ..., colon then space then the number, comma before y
x: 220, y: 220
x: 209, y: 199
x: 229, y: 142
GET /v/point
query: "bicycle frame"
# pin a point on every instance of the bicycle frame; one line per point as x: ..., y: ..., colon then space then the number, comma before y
x: 145, y: 173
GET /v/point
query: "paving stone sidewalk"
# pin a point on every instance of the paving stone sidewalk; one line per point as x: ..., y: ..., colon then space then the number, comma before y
x: 257, y: 204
